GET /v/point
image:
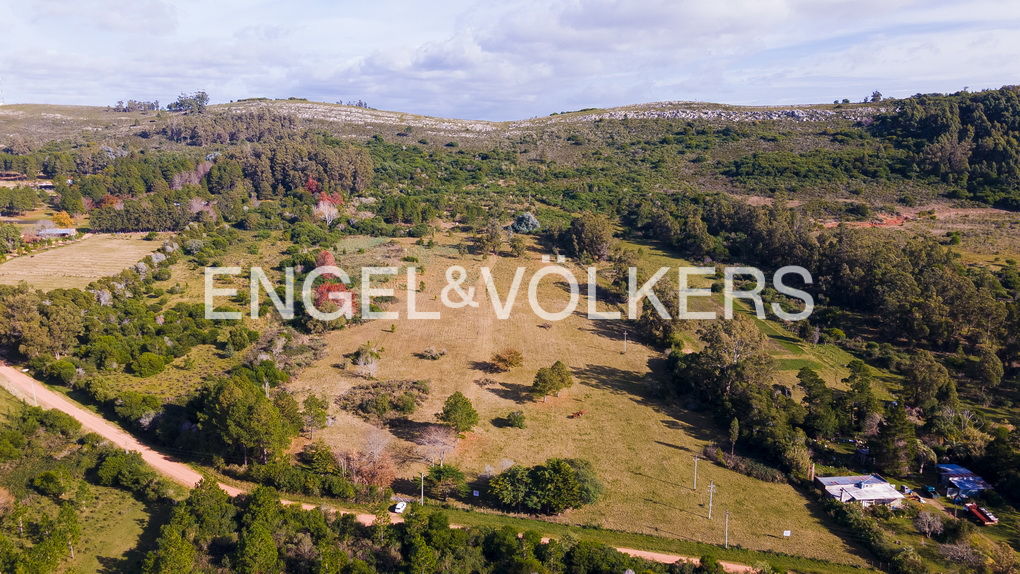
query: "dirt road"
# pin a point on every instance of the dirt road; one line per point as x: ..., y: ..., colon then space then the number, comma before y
x: 34, y: 392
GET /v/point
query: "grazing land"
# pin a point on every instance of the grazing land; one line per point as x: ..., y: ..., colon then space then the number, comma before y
x: 642, y: 449
x: 76, y: 264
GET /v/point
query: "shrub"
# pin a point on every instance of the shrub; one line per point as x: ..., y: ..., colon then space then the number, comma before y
x: 384, y: 400
x: 552, y: 380
x: 148, y: 364
x: 516, y: 419
x: 49, y: 483
x: 433, y: 354
x: 744, y: 465
x: 507, y: 359
x: 127, y: 470
x: 524, y: 223
x: 62, y: 371
x: 406, y: 403
x: 59, y: 422
x: 444, y: 481
x: 550, y: 488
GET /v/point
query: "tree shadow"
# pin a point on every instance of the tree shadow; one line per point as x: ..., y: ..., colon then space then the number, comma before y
x: 649, y: 389
x: 484, y: 366
x: 407, y: 429
x: 502, y: 422
x: 407, y: 487
x: 662, y: 480
x: 673, y: 424
x: 511, y: 392
x: 674, y: 508
x: 615, y: 329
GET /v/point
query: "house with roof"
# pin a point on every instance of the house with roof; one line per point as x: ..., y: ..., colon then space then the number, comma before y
x: 57, y: 232
x: 866, y: 490
x: 966, y: 483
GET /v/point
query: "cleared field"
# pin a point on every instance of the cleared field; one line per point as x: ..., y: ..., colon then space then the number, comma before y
x: 77, y: 264
x: 641, y: 447
x: 120, y: 530
x: 182, y: 377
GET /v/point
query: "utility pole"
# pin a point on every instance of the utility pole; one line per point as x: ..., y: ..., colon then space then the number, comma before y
x: 726, y: 530
x: 711, y: 491
x: 625, y: 342
x: 695, y: 472
x: 423, y: 489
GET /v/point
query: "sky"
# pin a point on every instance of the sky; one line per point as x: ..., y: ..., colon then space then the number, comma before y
x: 504, y: 60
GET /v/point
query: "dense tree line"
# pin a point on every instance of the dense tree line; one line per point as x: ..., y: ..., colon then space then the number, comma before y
x: 550, y: 488
x: 915, y: 288
x: 194, y: 103
x: 255, y: 533
x: 18, y: 200
x: 153, y: 213
x: 970, y: 140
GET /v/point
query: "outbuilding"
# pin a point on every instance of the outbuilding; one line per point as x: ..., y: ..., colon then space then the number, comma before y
x: 960, y: 481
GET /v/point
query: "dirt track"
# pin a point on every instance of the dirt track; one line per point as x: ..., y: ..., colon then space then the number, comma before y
x: 34, y: 392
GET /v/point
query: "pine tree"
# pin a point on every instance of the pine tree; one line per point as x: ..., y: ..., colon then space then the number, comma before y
x: 895, y: 447
x: 174, y: 554
x: 256, y: 551
x: 459, y: 413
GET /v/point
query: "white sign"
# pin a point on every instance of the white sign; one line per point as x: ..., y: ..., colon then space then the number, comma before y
x: 787, y: 533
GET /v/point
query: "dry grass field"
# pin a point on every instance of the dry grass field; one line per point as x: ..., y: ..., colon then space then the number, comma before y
x: 642, y: 449
x: 77, y: 264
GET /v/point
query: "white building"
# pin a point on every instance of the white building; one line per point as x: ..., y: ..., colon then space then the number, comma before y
x: 865, y: 490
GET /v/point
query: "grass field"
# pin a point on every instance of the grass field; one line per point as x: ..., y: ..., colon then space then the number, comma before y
x: 28, y: 221
x: 118, y: 530
x: 77, y: 264
x: 642, y: 448
x: 180, y: 378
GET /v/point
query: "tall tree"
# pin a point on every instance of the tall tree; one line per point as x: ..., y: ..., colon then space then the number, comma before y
x: 174, y: 554
x: 459, y: 413
x: 895, y: 447
x: 256, y: 551
x: 927, y: 382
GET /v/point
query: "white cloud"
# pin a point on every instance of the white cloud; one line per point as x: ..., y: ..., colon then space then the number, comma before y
x: 507, y: 60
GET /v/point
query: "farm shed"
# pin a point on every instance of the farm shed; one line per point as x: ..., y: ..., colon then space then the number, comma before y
x: 966, y: 482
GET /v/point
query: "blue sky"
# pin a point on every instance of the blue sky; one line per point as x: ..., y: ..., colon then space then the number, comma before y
x: 504, y: 60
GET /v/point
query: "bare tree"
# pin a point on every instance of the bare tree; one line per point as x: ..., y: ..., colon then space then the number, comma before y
x: 928, y: 523
x: 869, y: 427
x: 376, y: 443
x: 961, y: 553
x: 326, y: 211
x: 437, y: 442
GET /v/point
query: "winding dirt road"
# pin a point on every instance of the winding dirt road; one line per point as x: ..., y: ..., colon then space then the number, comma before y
x: 36, y: 393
